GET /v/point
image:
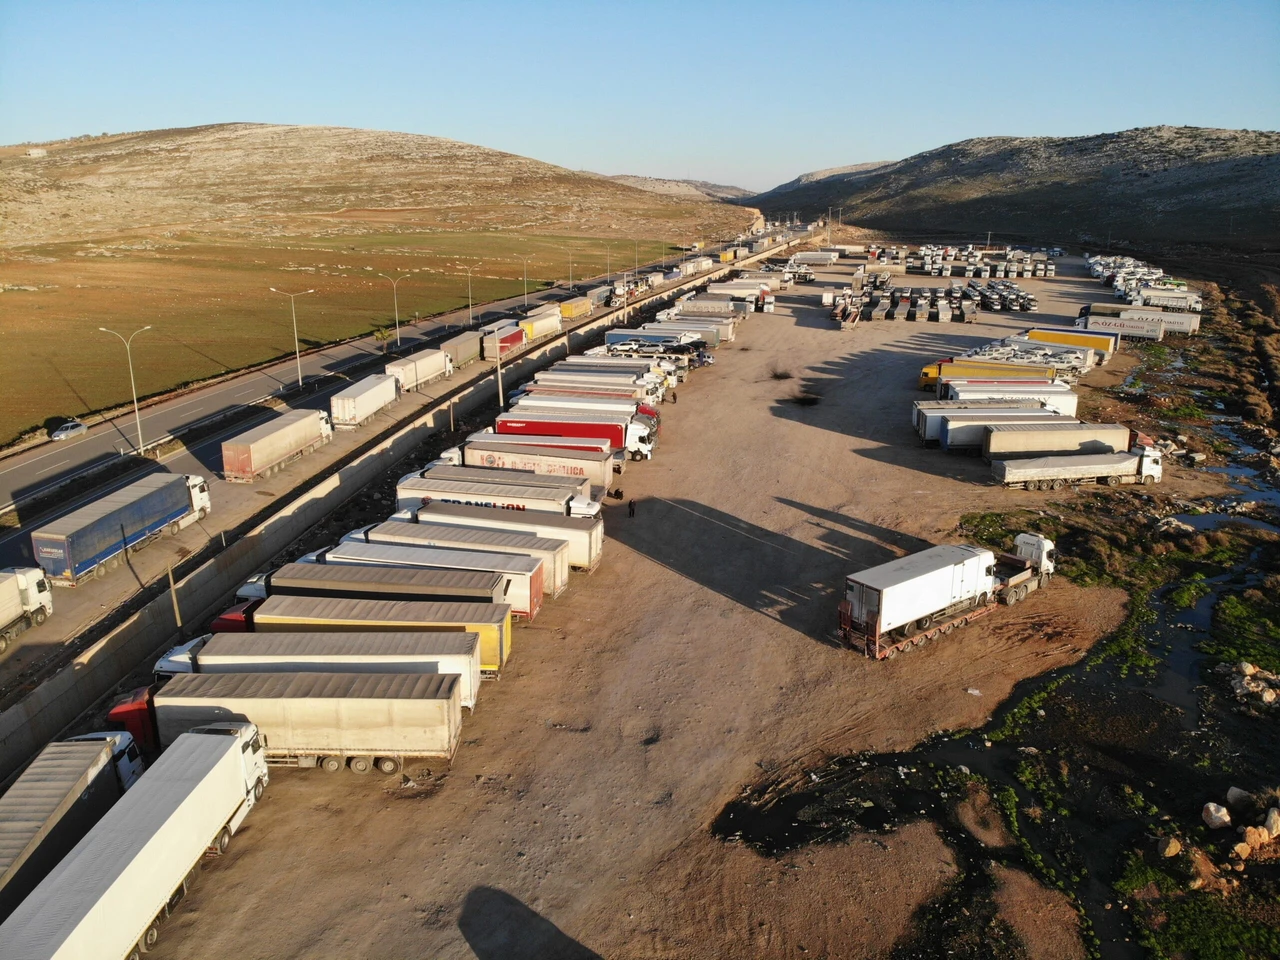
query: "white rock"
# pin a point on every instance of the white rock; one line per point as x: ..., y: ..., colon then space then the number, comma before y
x: 974, y: 692
x: 1215, y: 816
x: 1246, y: 669
x: 1272, y: 823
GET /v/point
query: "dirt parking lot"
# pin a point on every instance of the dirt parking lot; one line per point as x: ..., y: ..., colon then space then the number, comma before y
x: 574, y: 820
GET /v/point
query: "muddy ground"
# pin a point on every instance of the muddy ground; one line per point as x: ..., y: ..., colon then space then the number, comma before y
x: 574, y: 821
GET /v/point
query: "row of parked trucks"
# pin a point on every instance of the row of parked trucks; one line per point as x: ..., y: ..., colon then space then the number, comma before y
x: 361, y: 656
x: 1020, y: 416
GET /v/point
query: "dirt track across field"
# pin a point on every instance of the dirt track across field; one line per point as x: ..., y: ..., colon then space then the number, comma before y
x: 573, y: 822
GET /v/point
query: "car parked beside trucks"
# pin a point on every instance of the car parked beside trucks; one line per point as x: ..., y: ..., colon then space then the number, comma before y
x: 108, y: 897
x: 908, y: 601
x: 56, y: 800
x: 271, y: 447
x: 25, y: 601
x: 88, y: 542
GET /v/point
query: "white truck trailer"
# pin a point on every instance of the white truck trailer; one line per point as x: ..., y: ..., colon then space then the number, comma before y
x: 584, y: 535
x: 334, y: 721
x: 26, y: 600
x: 411, y: 652
x: 908, y: 601
x: 554, y: 554
x: 419, y: 369
x: 1140, y: 465
x: 110, y: 894
x: 926, y: 415
x: 578, y: 486
x: 966, y: 432
x: 58, y: 798
x: 359, y: 403
x: 1014, y: 441
x: 596, y: 466
x: 412, y: 492
x: 524, y: 574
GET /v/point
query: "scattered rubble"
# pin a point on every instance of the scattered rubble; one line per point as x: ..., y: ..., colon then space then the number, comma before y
x: 1215, y: 816
x: 1251, y: 684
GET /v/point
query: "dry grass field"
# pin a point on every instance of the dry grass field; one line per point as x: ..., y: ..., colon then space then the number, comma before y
x: 187, y: 230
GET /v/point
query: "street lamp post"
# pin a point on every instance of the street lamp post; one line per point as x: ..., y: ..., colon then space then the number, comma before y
x: 395, y: 299
x: 133, y: 386
x: 470, y: 316
x: 293, y: 310
x: 526, y: 283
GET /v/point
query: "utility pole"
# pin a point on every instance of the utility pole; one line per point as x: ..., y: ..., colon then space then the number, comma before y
x: 526, y: 283
x: 128, y: 352
x: 297, y: 353
x: 395, y: 300
x: 470, y: 318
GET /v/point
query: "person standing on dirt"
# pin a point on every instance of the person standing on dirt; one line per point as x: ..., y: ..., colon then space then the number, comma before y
x: 673, y: 396
x: 631, y: 508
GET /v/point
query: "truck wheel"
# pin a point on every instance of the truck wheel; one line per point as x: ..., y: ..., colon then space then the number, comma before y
x: 1059, y: 484
x: 134, y: 954
x: 39, y: 616
x: 258, y: 789
x: 174, y: 529
x: 1113, y: 481
x: 924, y: 623
x: 361, y: 765
x: 636, y: 455
x: 100, y: 571
x: 149, y: 938
x: 983, y: 600
x: 332, y: 764
x: 224, y: 840
x: 4, y: 644
x: 201, y: 513
x: 388, y: 765
x: 1148, y: 480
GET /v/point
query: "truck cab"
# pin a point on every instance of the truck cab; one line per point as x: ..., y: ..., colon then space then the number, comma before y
x: 1040, y: 551
x: 26, y: 600
x: 1149, y: 464
x: 639, y: 441
x: 183, y: 657
x: 583, y: 507
x: 126, y: 757
x: 198, y: 491
x: 253, y: 758
x: 326, y: 425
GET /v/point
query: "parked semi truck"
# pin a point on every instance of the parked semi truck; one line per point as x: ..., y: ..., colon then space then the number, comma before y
x: 462, y: 349
x: 488, y: 436
x: 88, y: 542
x: 908, y: 601
x: 1012, y: 441
x: 25, y: 601
x: 491, y: 621
x: 420, y: 368
x: 108, y: 897
x: 578, y: 486
x: 524, y: 574
x: 356, y: 405
x: 1140, y: 465
x: 374, y: 583
x: 926, y: 415
x: 57, y: 799
x: 412, y: 492
x: 585, y: 535
x: 597, y: 467
x: 269, y: 448
x: 957, y: 369
x: 967, y: 432
x: 554, y: 554
x: 418, y: 652
x: 622, y: 432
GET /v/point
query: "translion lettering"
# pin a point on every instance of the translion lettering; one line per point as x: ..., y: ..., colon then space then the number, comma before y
x: 481, y: 503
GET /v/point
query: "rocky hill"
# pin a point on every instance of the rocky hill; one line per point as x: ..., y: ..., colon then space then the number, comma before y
x: 691, y: 189
x: 1150, y: 184
x: 262, y: 179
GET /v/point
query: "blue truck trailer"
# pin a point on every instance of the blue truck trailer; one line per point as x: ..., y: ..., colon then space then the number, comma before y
x: 88, y: 542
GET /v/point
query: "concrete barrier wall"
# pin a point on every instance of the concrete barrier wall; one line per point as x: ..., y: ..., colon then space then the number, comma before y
x: 48, y: 710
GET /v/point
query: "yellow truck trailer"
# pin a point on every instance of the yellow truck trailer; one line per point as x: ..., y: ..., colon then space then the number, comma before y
x: 931, y: 373
x: 1102, y: 343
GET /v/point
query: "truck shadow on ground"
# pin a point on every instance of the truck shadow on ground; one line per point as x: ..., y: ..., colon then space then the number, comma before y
x: 497, y: 926
x: 785, y: 579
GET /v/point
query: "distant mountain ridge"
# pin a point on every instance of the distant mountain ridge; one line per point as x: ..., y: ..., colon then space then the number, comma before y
x: 1146, y: 184
x: 690, y: 189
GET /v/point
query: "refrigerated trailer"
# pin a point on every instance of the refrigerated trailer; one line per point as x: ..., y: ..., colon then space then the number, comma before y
x: 578, y: 486
x: 585, y: 536
x: 269, y: 448
x: 905, y: 602
x: 1060, y: 397
x: 364, y: 721
x: 88, y: 542
x: 359, y: 403
x: 523, y: 574
x: 554, y: 554
x: 110, y: 894
x: 374, y: 583
x: 420, y: 368
x: 462, y: 349
x: 622, y: 432
x: 926, y: 415
x: 354, y: 652
x: 966, y: 432
x: 487, y: 437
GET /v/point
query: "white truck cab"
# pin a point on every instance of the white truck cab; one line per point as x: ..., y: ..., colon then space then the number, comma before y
x: 253, y: 759
x: 182, y: 658
x: 198, y: 491
x: 26, y: 600
x: 126, y: 758
x: 1039, y: 550
x: 639, y: 442
x: 1149, y: 464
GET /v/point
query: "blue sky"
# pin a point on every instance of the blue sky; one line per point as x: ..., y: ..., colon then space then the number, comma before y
x: 746, y: 93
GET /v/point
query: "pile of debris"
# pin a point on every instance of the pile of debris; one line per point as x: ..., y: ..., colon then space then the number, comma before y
x: 1251, y: 684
